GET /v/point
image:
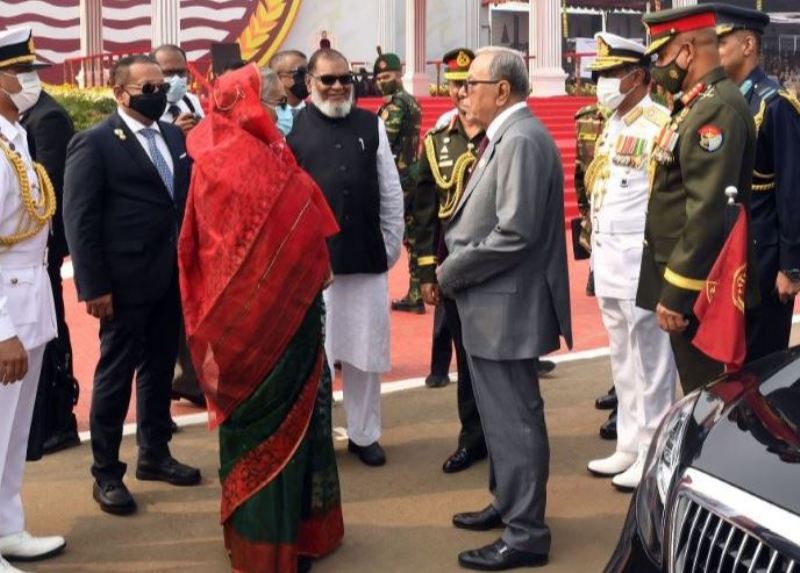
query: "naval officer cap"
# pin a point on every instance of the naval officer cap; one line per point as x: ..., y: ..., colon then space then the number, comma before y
x: 732, y: 18
x: 664, y: 25
x: 17, y: 49
x: 616, y: 52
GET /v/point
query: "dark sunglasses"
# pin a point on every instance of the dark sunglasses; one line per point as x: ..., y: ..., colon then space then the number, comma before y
x: 150, y: 89
x: 331, y: 79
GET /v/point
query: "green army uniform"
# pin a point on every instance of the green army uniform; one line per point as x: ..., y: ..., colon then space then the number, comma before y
x: 708, y: 145
x: 403, y: 119
x: 589, y: 123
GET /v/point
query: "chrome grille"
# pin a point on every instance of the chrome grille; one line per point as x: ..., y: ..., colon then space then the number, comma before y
x: 708, y: 536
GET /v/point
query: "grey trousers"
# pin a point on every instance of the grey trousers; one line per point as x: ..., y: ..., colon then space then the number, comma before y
x: 512, y: 415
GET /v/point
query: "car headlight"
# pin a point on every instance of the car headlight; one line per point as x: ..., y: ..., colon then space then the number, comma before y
x: 663, y: 461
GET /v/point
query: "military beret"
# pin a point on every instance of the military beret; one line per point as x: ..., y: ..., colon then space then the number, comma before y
x: 731, y: 18
x: 457, y: 64
x: 387, y: 63
x: 664, y: 25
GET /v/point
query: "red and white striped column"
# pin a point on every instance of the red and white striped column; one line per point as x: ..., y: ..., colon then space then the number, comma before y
x: 415, y: 79
x: 166, y: 22
x: 544, y: 37
x: 91, y: 18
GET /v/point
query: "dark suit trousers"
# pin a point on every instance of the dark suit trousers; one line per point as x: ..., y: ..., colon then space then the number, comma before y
x: 142, y: 339
x: 185, y: 376
x: 769, y: 326
x: 695, y: 369
x: 512, y: 411
x: 442, y: 343
x: 63, y: 342
x: 471, y: 434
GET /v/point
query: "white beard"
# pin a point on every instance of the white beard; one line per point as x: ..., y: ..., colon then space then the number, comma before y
x: 332, y: 110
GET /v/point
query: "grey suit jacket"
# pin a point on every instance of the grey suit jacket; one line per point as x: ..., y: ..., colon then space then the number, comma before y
x: 507, y: 267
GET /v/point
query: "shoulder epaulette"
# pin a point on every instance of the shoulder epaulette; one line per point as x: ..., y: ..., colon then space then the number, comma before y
x: 437, y: 129
x: 791, y: 98
x: 767, y: 90
x: 656, y: 115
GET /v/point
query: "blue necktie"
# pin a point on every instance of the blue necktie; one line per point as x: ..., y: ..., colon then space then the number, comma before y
x: 158, y: 160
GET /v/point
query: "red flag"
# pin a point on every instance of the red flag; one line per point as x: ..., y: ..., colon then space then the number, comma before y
x: 720, y: 305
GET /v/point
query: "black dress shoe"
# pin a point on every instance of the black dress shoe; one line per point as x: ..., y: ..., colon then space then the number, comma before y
x: 607, y: 401
x: 500, y: 557
x: 304, y: 564
x: 196, y: 398
x: 371, y: 455
x: 461, y: 459
x: 437, y: 380
x: 484, y: 520
x: 61, y: 441
x: 608, y: 431
x: 545, y: 366
x: 167, y: 469
x: 114, y: 498
x: 408, y: 305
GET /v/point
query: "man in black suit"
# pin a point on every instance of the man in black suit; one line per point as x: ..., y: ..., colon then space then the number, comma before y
x: 124, y: 193
x: 54, y: 428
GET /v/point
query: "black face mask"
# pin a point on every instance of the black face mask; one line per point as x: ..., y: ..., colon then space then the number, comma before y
x: 151, y: 105
x: 299, y: 88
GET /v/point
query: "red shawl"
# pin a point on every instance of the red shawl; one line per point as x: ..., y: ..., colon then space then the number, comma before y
x: 252, y: 250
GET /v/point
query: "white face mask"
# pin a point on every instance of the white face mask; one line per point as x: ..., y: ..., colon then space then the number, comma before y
x: 177, y: 88
x: 31, y: 90
x: 608, y: 94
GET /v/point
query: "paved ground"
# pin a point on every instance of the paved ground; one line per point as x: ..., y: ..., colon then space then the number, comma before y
x: 397, y: 517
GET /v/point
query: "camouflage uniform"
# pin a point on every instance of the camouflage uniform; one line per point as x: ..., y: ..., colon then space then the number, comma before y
x: 403, y: 119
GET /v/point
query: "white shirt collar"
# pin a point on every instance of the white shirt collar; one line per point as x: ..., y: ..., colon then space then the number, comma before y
x: 10, y: 131
x: 299, y: 106
x: 498, y: 122
x: 134, y: 124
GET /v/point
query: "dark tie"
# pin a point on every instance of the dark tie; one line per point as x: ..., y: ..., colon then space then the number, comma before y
x: 174, y: 111
x: 482, y: 149
x: 158, y: 160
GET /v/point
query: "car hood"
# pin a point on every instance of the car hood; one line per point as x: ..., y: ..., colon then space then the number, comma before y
x: 747, y: 430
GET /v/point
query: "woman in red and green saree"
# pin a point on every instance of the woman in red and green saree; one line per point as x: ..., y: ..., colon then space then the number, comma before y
x: 253, y: 262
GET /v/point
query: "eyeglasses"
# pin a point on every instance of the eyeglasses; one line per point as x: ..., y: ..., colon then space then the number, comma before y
x: 470, y: 84
x: 331, y: 79
x: 150, y: 88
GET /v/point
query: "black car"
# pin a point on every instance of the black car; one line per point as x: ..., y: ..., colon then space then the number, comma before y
x: 721, y: 488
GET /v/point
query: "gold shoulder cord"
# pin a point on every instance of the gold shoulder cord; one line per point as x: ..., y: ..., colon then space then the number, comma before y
x: 759, y: 118
x: 36, y: 212
x: 460, y: 168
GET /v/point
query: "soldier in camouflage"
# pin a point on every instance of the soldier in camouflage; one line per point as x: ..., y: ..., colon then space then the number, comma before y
x: 403, y: 119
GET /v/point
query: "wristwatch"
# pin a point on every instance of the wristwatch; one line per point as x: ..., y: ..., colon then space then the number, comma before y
x: 792, y: 274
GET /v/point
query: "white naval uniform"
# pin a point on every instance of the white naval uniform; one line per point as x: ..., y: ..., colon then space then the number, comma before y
x: 26, y: 312
x: 357, y: 314
x: 642, y: 363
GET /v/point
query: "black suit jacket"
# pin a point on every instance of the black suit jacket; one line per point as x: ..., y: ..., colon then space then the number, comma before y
x: 49, y: 130
x: 121, y: 223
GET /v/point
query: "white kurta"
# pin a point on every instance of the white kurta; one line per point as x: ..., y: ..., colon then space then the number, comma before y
x: 26, y: 312
x: 357, y: 327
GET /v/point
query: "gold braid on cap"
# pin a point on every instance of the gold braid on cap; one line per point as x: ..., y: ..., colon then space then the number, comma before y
x: 36, y: 213
x: 460, y: 169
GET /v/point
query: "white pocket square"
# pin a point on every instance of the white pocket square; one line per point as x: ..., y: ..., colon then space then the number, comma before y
x: 183, y: 156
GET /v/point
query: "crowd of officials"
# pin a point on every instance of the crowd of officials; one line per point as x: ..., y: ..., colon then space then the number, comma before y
x: 251, y: 319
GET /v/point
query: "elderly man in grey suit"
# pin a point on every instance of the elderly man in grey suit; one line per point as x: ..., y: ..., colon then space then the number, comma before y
x: 507, y: 270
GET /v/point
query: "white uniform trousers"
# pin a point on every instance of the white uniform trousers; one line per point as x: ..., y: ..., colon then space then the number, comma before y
x: 16, y: 412
x: 643, y: 369
x: 362, y: 404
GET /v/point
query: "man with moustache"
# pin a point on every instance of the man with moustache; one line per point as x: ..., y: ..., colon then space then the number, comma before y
x: 775, y: 202
x: 347, y: 152
x: 507, y: 271
x: 447, y: 158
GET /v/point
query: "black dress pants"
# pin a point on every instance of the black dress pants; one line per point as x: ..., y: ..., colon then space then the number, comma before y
x: 442, y: 343
x: 471, y: 434
x: 141, y: 340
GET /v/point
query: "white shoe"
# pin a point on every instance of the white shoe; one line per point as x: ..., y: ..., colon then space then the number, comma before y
x: 5, y: 567
x: 612, y: 465
x: 630, y: 478
x: 25, y: 547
